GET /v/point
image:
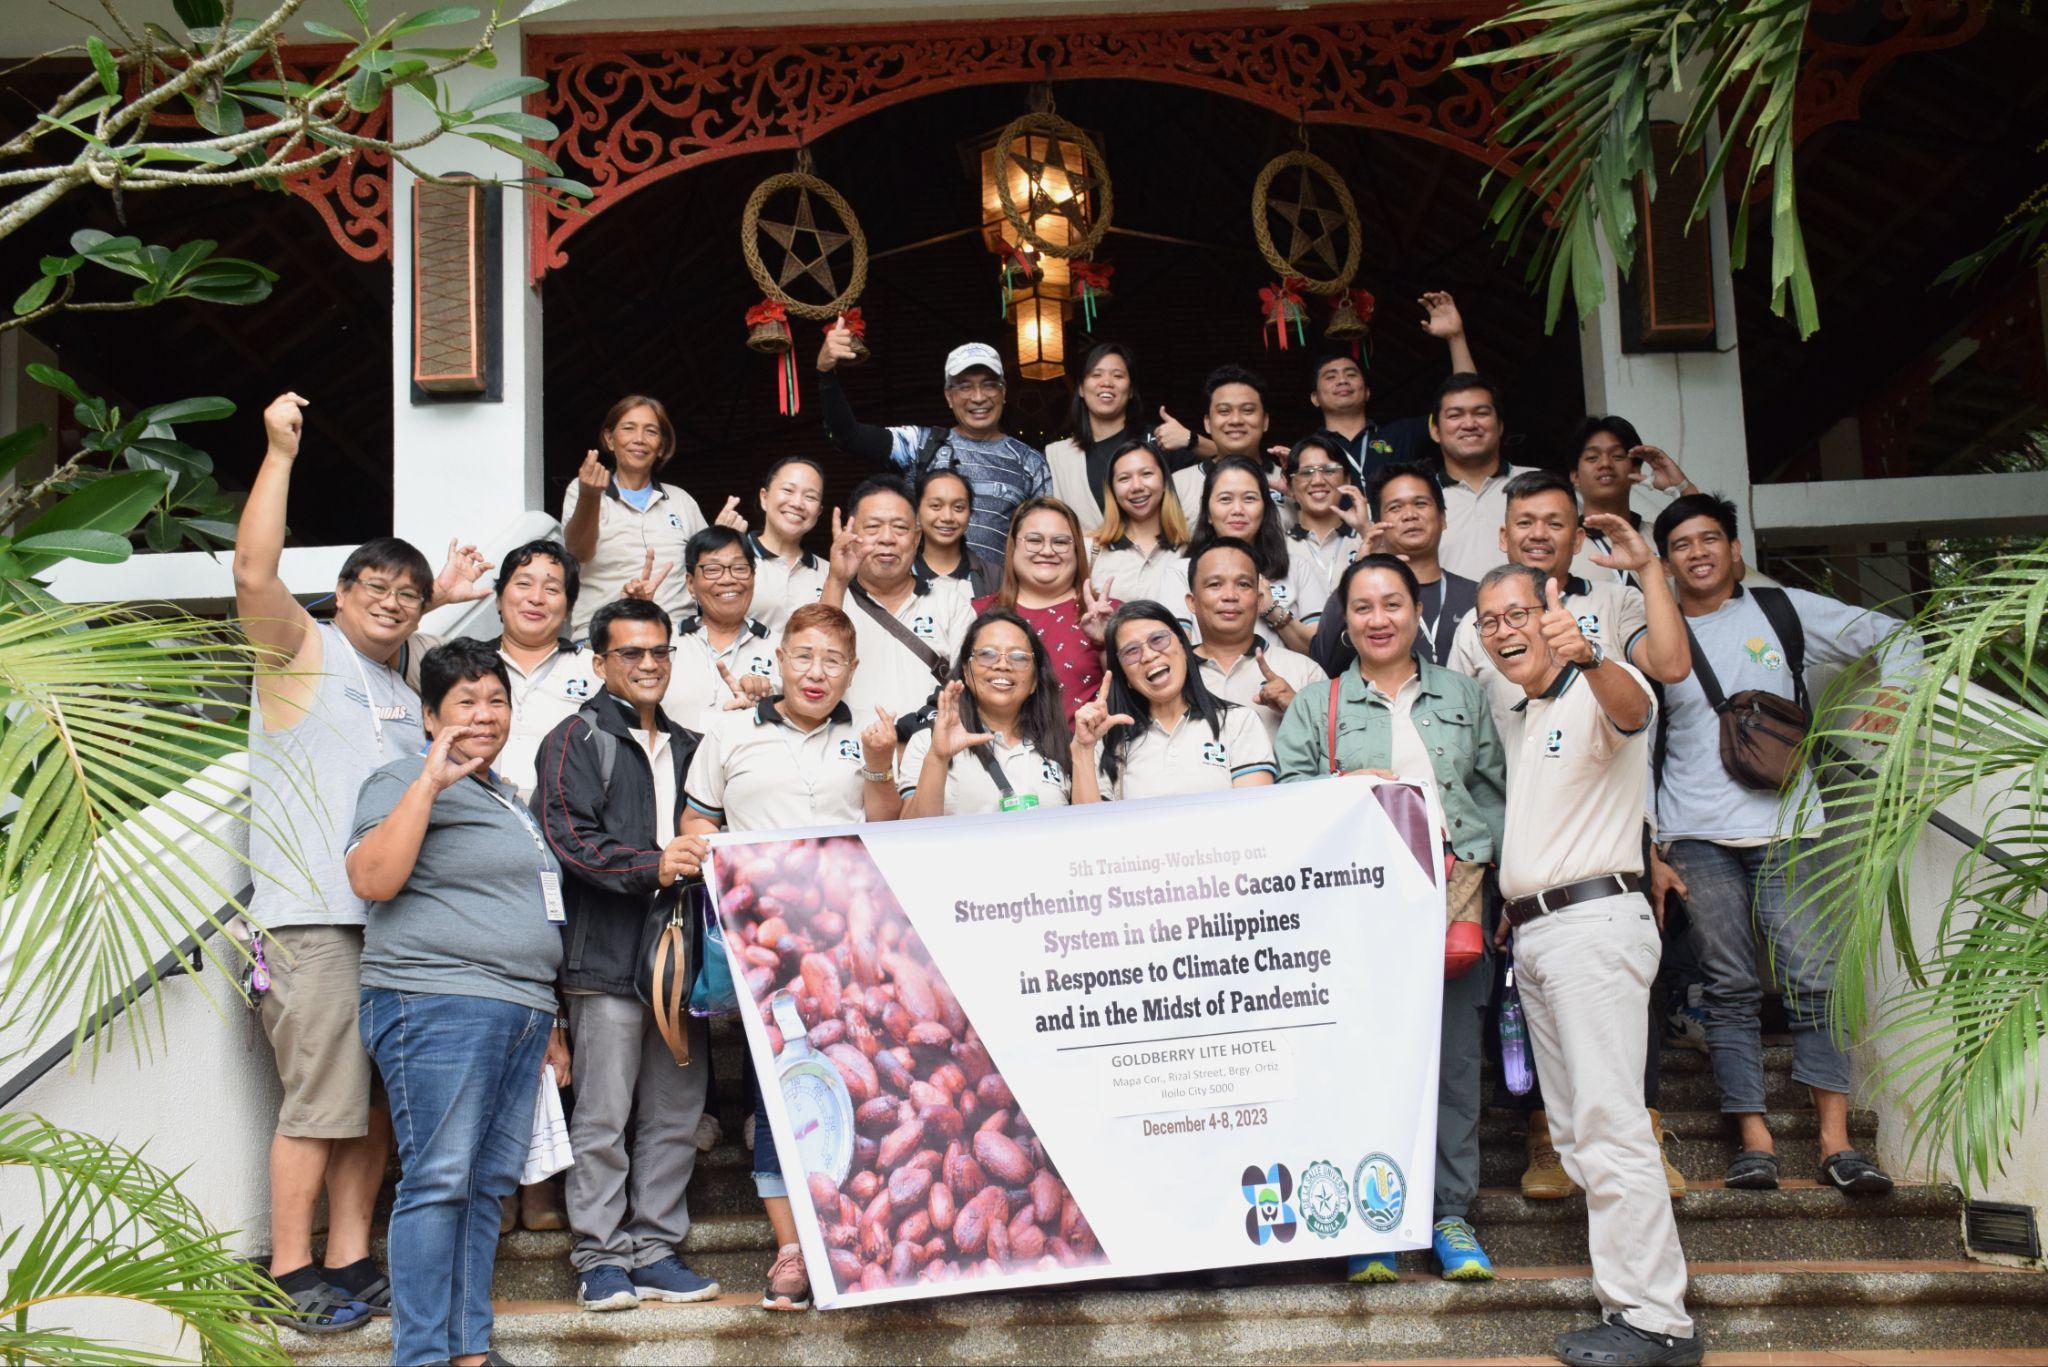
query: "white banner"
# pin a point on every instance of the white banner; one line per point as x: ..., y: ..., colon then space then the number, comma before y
x: 1085, y: 1042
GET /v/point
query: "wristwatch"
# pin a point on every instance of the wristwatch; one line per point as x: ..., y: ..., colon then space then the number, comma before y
x: 1286, y: 616
x: 1599, y: 656
x: 873, y: 776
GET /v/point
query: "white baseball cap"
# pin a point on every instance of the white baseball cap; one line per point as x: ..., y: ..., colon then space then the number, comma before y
x: 968, y: 355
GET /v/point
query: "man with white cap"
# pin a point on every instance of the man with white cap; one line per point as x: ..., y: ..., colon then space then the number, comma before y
x: 1002, y: 470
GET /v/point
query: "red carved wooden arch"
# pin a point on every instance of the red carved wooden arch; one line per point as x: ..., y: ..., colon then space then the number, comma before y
x: 637, y: 108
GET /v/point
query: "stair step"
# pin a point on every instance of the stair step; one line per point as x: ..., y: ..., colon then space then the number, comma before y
x: 1879, y: 1305
x: 1701, y: 1144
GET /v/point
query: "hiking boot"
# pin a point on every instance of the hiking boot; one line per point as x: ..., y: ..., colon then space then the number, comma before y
x: 1545, y: 1178
x: 1674, y: 1180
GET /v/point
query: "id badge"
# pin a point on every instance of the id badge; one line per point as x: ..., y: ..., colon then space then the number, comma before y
x: 1018, y: 802
x: 551, y: 897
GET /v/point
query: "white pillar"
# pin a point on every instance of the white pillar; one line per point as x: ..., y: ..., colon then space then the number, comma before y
x: 464, y: 468
x: 1688, y: 402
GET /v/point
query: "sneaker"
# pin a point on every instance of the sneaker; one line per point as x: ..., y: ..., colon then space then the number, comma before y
x: 1686, y: 1026
x: 1674, y: 1180
x: 1370, y: 1269
x: 789, y: 1285
x: 668, y: 1280
x: 1616, y: 1341
x: 709, y: 1132
x: 606, y: 1288
x: 1458, y: 1252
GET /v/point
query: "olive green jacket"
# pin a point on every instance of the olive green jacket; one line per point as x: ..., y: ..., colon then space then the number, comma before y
x: 1455, y: 724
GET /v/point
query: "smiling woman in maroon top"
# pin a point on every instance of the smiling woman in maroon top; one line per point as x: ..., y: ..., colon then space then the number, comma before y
x: 1045, y: 581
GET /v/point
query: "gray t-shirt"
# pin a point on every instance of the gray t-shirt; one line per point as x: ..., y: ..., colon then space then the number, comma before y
x: 471, y: 921
x: 1696, y: 799
x: 1002, y: 473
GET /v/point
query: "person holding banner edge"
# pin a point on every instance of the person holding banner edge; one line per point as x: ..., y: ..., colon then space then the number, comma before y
x: 796, y: 760
x: 1587, y: 948
x: 1401, y: 715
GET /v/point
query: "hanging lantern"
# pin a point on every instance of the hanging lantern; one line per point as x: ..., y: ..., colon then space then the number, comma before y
x: 857, y: 334
x: 1281, y: 306
x: 1091, y: 284
x: 1349, y: 320
x: 1043, y: 173
x: 1041, y: 335
x: 768, y: 333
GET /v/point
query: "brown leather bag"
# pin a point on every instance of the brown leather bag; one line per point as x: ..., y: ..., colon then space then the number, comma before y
x: 665, y: 970
x: 1761, y: 733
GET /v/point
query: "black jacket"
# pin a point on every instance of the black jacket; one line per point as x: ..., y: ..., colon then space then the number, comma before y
x: 1332, y: 650
x: 605, y: 839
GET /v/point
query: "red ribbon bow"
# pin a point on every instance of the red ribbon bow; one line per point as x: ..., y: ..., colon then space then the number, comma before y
x: 1092, y: 274
x: 1362, y: 303
x: 767, y: 311
x: 1281, y: 304
x: 855, y: 324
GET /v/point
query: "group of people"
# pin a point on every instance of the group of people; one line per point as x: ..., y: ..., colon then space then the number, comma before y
x: 459, y: 841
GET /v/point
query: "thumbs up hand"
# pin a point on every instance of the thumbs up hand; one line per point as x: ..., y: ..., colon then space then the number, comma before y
x: 1172, y: 434
x: 837, y: 347
x: 1561, y: 629
x: 1275, y: 692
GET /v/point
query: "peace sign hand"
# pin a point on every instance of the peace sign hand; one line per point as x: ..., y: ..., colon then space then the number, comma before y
x: 849, y: 549
x: 729, y: 516
x: 949, y: 735
x: 649, y: 582
x: 1275, y: 692
x: 442, y: 770
x: 1561, y: 629
x: 1095, y: 612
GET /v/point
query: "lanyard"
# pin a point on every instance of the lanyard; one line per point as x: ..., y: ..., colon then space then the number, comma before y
x: 369, y: 699
x: 1428, y: 625
x: 525, y: 821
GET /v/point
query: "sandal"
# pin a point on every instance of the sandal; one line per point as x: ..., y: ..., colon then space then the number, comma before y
x: 1617, y: 1343
x: 1752, y: 1170
x: 1849, y: 1171
x: 323, y: 1309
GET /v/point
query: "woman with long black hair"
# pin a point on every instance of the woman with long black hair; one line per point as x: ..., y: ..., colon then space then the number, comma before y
x: 999, y: 741
x: 1106, y: 412
x: 1235, y: 503
x: 1159, y: 730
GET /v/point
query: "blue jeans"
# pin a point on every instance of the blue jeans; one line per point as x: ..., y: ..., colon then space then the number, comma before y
x: 768, y: 1178
x: 462, y: 1073
x: 1733, y: 896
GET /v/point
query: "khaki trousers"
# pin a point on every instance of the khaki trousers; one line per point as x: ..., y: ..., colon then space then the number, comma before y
x: 1585, y: 974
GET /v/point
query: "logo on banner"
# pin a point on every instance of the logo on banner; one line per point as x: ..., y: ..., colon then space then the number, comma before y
x: 1325, y: 1200
x: 1381, y: 1191
x: 1271, y: 1217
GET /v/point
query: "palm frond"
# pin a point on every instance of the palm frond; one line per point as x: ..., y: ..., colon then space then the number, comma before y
x: 1580, y: 121
x: 110, y: 1226
x: 112, y: 728
x: 1958, y: 1004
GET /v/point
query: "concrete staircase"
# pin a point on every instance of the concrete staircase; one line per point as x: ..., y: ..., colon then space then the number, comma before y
x: 1802, y: 1269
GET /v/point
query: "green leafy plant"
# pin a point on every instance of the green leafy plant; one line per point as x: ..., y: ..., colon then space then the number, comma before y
x: 108, y: 1226
x: 1960, y: 1010
x: 191, y: 271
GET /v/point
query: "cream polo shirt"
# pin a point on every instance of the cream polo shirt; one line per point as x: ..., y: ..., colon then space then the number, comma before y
x: 1332, y: 553
x: 1472, y: 523
x: 969, y: 788
x: 624, y: 536
x: 1189, y: 759
x: 694, y: 688
x: 889, y: 676
x: 780, y: 588
x: 1611, y: 615
x: 1576, y: 787
x: 1303, y: 592
x: 1242, y: 681
x: 541, y: 701
x: 1123, y: 572
x: 753, y: 771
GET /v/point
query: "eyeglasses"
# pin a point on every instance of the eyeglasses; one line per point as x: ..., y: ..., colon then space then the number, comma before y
x: 633, y: 655
x: 1311, y: 471
x: 1037, y: 541
x: 1159, y: 642
x: 831, y: 666
x: 988, y: 657
x: 1516, y: 619
x: 411, y: 599
x: 712, y: 573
